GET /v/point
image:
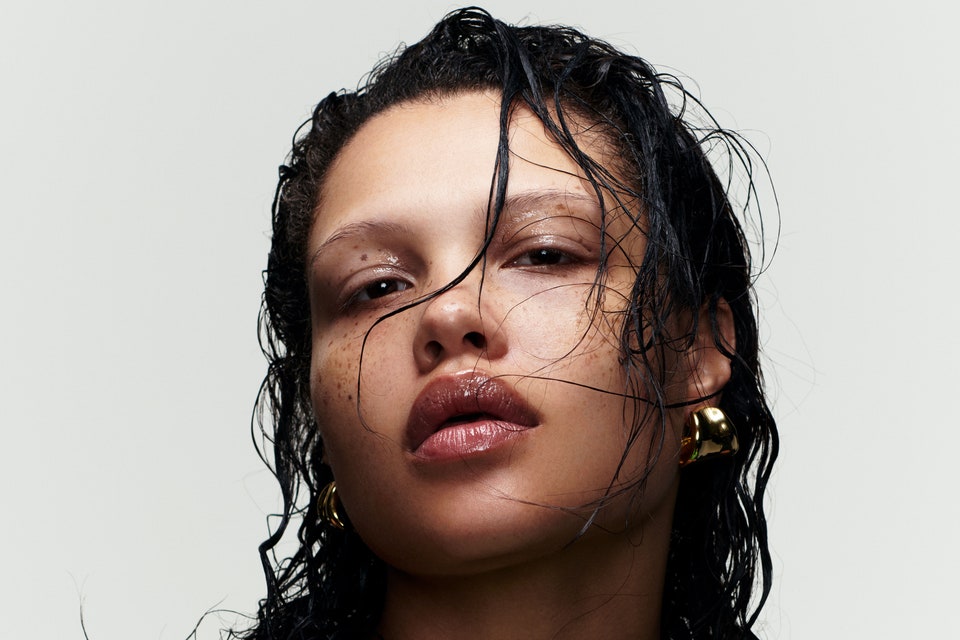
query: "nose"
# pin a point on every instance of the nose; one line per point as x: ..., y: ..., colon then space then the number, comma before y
x: 459, y: 323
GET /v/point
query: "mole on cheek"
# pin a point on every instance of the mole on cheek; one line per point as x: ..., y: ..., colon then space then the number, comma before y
x: 363, y: 257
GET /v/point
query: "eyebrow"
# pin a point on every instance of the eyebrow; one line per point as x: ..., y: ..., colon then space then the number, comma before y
x: 528, y: 201
x: 355, y: 229
x: 520, y: 207
x: 532, y: 200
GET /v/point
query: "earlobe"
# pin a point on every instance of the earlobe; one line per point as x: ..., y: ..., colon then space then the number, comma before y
x: 709, y: 364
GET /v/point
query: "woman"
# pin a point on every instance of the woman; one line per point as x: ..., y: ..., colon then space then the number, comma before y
x: 507, y: 300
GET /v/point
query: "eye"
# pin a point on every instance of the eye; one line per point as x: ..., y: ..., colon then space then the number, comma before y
x: 542, y: 257
x: 379, y: 289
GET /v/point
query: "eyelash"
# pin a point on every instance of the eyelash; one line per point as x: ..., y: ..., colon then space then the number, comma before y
x: 548, y: 256
x: 373, y: 290
x: 538, y: 258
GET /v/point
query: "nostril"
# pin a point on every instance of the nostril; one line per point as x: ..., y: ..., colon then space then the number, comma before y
x: 434, y: 349
x: 476, y: 339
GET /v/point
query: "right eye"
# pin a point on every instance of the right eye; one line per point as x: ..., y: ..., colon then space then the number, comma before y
x: 380, y: 289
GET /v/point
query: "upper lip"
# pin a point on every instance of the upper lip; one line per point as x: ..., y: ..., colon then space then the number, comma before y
x: 470, y: 395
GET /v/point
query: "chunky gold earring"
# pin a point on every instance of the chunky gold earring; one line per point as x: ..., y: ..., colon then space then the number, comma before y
x: 709, y: 434
x: 330, y: 506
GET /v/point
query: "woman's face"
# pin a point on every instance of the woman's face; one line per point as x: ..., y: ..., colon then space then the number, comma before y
x: 455, y: 428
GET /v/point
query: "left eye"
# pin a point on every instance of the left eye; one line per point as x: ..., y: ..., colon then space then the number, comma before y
x: 543, y: 257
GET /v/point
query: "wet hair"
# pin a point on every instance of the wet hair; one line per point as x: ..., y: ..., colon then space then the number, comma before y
x: 696, y: 257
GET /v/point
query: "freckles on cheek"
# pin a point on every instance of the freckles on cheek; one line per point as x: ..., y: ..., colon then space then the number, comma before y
x: 333, y: 376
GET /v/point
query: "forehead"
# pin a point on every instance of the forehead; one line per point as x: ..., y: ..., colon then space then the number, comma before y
x: 439, y: 156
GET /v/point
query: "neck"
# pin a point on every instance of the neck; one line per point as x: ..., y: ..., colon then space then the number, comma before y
x: 602, y: 586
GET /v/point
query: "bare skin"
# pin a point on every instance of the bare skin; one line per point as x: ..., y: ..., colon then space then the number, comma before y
x: 609, y: 587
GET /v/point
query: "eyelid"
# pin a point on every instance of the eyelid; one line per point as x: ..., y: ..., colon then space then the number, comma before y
x: 566, y: 238
x: 353, y: 287
x: 582, y: 231
x: 565, y: 259
x: 351, y: 261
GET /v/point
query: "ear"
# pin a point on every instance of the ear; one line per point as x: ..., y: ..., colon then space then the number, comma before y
x: 708, y: 366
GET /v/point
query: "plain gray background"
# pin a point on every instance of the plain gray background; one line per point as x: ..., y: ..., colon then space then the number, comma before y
x: 139, y: 149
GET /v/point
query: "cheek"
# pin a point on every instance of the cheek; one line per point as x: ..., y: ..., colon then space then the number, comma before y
x: 333, y: 373
x: 353, y: 387
x: 552, y: 325
x: 565, y: 334
x: 333, y: 386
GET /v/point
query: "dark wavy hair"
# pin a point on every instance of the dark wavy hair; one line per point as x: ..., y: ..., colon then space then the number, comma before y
x: 696, y: 258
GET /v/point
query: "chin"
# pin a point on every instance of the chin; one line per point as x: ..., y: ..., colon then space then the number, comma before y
x: 455, y: 541
x: 458, y: 537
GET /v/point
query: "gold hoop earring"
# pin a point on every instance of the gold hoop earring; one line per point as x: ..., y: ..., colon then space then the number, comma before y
x: 709, y: 434
x: 330, y: 506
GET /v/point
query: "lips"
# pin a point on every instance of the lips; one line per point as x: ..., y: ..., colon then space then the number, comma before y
x: 479, y: 411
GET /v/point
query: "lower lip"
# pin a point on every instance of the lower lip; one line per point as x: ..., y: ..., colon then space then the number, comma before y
x: 468, y: 440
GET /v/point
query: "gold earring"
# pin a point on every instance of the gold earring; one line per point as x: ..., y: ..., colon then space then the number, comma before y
x: 330, y: 506
x: 709, y: 434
